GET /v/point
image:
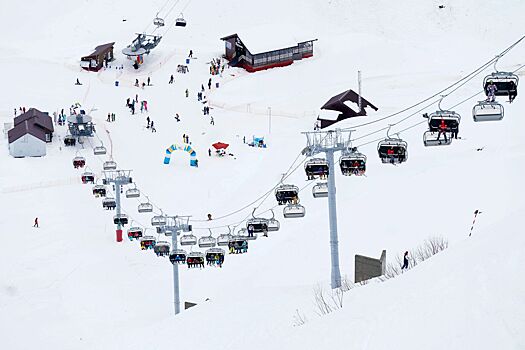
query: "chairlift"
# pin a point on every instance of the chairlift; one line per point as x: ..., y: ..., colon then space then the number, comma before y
x: 188, y: 239
x: 145, y: 207
x: 120, y: 219
x: 450, y: 119
x: 206, y: 241
x: 215, y: 256
x: 132, y: 193
x: 88, y: 177
x: 162, y: 248
x: 109, y: 203
x: 79, y: 162
x: 147, y: 242
x: 487, y: 111
x: 316, y: 168
x: 109, y: 165
x: 392, y: 150
x: 320, y: 190
x: 273, y: 223
x: 286, y: 194
x: 180, y: 21
x: 99, y: 150
x: 134, y: 233
x: 246, y: 235
x: 257, y: 225
x: 69, y: 140
x: 238, y: 245
x: 178, y: 256
x: 506, y: 84
x: 158, y: 220
x: 159, y: 22
x: 99, y: 191
x: 195, y: 259
x: 352, y: 163
x: 436, y: 138
x: 294, y: 211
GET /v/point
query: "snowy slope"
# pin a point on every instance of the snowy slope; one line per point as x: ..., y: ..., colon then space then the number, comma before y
x: 69, y: 285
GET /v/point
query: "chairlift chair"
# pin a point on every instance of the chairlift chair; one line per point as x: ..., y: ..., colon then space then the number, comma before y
x: 109, y: 203
x: 352, y: 163
x: 132, y: 193
x: 451, y: 120
x: 120, y: 219
x: 273, y: 223
x: 320, y: 190
x: 99, y: 150
x: 506, y: 84
x: 109, y: 165
x: 162, y: 248
x: 180, y: 21
x: 79, y: 162
x: 134, y: 233
x: 147, y: 242
x: 99, y: 191
x: 294, y: 211
x: 158, y: 220
x: 435, y: 138
x: 316, y: 168
x: 392, y: 150
x: 246, y: 235
x: 257, y: 225
x: 206, y: 242
x: 88, y: 177
x: 487, y: 111
x: 178, y: 256
x: 195, y: 259
x: 69, y: 140
x: 286, y: 194
x: 188, y: 239
x: 145, y: 207
x: 159, y: 22
x: 223, y: 239
x: 239, y: 245
x: 215, y: 256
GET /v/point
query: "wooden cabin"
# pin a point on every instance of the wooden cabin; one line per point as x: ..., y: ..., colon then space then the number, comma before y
x: 263, y: 53
x: 102, y: 54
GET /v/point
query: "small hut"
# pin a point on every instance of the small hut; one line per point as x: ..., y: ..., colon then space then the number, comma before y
x: 95, y: 61
x: 31, y: 131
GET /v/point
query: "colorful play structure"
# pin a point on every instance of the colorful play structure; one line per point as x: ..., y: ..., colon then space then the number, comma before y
x: 184, y: 147
x: 257, y: 142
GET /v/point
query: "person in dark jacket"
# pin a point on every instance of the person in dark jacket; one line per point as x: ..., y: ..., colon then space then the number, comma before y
x: 405, y: 261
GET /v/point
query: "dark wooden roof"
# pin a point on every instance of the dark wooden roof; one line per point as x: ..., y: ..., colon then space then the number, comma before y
x: 337, y: 103
x: 36, y: 117
x: 101, y: 49
x: 23, y: 128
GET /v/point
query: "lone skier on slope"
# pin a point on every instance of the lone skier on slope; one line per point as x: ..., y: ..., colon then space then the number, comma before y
x: 405, y: 261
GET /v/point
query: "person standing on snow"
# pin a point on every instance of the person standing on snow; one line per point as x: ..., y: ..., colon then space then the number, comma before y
x: 191, y: 54
x: 148, y: 120
x: 187, y: 92
x: 171, y: 79
x: 209, y: 84
x: 36, y: 223
x: 149, y: 80
x: 405, y: 261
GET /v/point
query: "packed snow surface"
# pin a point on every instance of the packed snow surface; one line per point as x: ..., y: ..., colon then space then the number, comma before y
x: 69, y: 285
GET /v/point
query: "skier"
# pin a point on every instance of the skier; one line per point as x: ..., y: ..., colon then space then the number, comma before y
x: 187, y: 92
x: 149, y: 80
x: 136, y: 98
x: 36, y: 223
x: 209, y: 84
x: 143, y: 84
x: 171, y: 79
x: 191, y: 54
x: 212, y: 122
x: 209, y: 152
x: 112, y: 117
x: 136, y: 82
x: 177, y: 117
x: 145, y: 105
x: 491, y: 91
x: 405, y: 261
x: 202, y: 87
x: 442, y: 130
x: 148, y: 120
x: 127, y: 102
x: 152, y: 127
x: 109, y: 117
x: 244, y: 139
x: 78, y: 82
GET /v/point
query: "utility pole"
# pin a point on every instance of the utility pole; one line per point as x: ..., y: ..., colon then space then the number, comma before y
x: 117, y: 178
x: 174, y: 225
x: 329, y: 142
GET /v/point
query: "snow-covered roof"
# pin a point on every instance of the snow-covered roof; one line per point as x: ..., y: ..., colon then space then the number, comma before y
x: 261, y: 39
